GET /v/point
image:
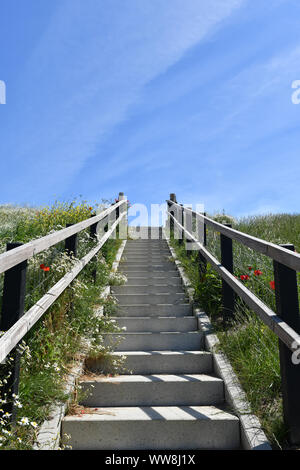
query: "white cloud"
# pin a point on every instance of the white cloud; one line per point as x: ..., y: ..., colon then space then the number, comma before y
x: 91, y: 66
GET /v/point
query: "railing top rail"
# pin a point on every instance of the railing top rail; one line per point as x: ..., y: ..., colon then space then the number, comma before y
x: 276, y: 252
x: 28, y: 250
x: 273, y: 321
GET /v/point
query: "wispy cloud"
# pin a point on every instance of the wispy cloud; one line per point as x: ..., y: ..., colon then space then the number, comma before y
x: 90, y: 67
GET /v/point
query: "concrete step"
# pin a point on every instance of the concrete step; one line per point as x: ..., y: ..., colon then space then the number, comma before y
x: 149, y: 240
x: 147, y: 244
x: 157, y: 324
x: 152, y: 274
x: 147, y: 341
x: 150, y: 299
x: 153, y: 390
x: 147, y: 255
x: 179, y: 310
x: 159, y: 262
x: 158, y: 427
x: 160, y: 362
x: 153, y: 281
x: 146, y: 289
x: 167, y: 267
x: 152, y: 259
x: 148, y: 251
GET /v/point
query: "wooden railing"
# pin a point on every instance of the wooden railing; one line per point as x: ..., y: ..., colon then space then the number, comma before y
x: 190, y: 226
x: 14, y: 322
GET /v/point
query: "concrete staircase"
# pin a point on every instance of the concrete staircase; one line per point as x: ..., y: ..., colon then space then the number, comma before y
x: 171, y: 400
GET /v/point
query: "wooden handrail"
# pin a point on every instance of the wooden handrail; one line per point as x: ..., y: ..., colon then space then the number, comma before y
x: 287, y: 335
x: 285, y: 323
x: 277, y: 253
x: 16, y: 333
x: 28, y: 250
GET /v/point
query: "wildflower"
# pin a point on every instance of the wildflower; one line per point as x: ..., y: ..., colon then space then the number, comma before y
x: 19, y: 440
x: 250, y: 268
x: 245, y: 277
x: 8, y: 433
x: 257, y: 272
x: 24, y: 421
x: 44, y: 268
x: 7, y: 415
x: 272, y: 284
x: 34, y: 424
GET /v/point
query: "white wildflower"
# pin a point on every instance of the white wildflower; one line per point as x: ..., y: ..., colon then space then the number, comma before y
x: 24, y: 421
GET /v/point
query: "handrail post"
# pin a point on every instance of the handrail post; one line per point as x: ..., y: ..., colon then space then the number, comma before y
x: 181, y: 221
x: 111, y: 220
x: 71, y: 244
x: 287, y: 308
x: 202, y: 237
x: 171, y: 211
x: 123, y: 225
x: 93, y: 235
x: 189, y: 227
x: 117, y: 216
x: 228, y: 297
x: 13, y: 305
x: 71, y: 249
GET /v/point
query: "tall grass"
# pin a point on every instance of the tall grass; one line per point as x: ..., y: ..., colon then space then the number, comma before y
x: 53, y: 344
x: 251, y: 346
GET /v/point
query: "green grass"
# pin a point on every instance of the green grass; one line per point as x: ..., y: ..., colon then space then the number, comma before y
x: 55, y: 341
x: 250, y: 346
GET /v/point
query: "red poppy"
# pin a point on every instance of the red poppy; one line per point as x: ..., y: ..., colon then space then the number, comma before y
x: 257, y: 272
x: 42, y: 266
x: 245, y: 277
x: 272, y: 284
x: 90, y: 208
x: 250, y: 268
x: 47, y: 269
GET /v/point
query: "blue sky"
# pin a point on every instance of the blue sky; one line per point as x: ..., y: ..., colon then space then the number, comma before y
x: 151, y: 97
